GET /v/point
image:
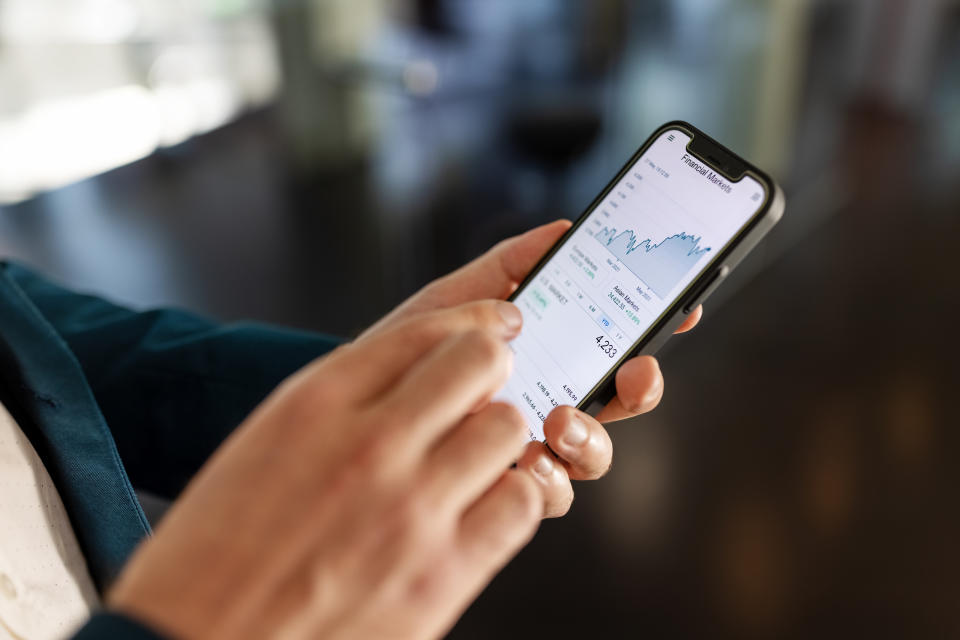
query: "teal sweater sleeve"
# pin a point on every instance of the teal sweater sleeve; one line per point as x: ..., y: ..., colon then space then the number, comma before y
x: 171, y: 385
x: 111, y: 626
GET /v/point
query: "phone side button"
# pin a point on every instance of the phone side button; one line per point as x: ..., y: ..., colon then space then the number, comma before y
x: 707, y: 288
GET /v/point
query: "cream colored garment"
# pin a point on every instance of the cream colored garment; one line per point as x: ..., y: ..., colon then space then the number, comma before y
x: 45, y: 588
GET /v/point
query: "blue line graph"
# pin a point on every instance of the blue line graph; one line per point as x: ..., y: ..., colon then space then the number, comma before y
x: 661, y: 265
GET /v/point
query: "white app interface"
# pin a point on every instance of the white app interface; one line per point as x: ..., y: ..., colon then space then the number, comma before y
x: 636, y: 252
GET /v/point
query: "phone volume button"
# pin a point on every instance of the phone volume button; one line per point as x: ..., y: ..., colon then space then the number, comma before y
x: 707, y: 288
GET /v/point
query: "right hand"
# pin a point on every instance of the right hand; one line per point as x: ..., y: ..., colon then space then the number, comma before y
x: 365, y: 498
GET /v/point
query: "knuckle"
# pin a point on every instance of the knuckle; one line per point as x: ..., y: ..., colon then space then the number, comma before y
x: 604, y: 463
x: 433, y: 288
x: 484, y: 313
x: 485, y: 348
x: 326, y: 392
x: 498, y: 249
x: 655, y: 402
x: 389, y: 422
x: 526, y: 498
x: 436, y: 324
x: 428, y: 589
x: 375, y: 456
x: 413, y: 511
x: 642, y: 403
x: 429, y: 326
x: 416, y: 525
x: 562, y: 506
x: 632, y: 404
x: 596, y: 463
x: 558, y: 495
x: 597, y: 470
x: 339, y: 351
x: 520, y: 508
x: 509, y: 418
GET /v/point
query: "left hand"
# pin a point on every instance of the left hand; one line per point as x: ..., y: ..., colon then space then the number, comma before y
x: 582, y: 445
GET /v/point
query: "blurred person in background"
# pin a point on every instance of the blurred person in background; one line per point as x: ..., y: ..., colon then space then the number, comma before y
x: 370, y: 495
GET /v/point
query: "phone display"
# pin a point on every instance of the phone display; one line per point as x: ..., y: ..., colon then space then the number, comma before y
x: 629, y: 260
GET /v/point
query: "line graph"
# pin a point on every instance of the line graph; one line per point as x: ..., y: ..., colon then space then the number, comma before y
x: 661, y: 265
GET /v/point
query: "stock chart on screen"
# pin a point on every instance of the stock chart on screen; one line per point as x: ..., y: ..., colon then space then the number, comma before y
x: 660, y: 264
x: 637, y: 250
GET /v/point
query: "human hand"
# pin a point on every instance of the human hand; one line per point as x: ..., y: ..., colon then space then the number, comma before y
x: 583, y: 447
x: 367, y: 497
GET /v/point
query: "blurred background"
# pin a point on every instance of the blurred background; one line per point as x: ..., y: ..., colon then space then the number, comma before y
x: 313, y: 162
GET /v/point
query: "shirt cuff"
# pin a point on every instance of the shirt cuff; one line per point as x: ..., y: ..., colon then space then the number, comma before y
x: 104, y: 625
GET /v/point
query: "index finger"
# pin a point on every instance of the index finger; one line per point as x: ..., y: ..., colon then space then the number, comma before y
x: 440, y: 390
x: 376, y: 362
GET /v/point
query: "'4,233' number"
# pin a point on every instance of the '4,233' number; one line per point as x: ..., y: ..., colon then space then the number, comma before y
x: 606, y: 346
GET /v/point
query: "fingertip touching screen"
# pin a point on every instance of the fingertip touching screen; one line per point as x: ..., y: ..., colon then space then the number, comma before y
x: 621, y: 269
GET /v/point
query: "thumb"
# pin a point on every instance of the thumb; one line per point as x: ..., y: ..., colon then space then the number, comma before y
x: 497, y: 272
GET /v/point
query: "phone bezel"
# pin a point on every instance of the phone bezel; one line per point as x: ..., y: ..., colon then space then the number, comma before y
x: 719, y: 159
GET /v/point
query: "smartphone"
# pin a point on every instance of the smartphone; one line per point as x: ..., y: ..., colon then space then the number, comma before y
x: 659, y: 239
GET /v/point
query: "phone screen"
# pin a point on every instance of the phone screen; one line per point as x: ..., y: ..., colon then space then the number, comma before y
x: 629, y: 260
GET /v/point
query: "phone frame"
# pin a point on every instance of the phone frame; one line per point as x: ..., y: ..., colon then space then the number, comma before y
x: 731, y: 166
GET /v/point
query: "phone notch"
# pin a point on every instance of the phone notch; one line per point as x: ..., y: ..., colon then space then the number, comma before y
x: 719, y: 159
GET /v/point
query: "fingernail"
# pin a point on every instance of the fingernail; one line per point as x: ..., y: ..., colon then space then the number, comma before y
x: 511, y: 316
x: 576, y: 432
x: 543, y: 467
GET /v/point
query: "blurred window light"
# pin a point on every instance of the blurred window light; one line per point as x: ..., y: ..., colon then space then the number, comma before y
x: 111, y: 21
x: 89, y: 85
x: 57, y: 143
x: 91, y: 21
x: 73, y: 138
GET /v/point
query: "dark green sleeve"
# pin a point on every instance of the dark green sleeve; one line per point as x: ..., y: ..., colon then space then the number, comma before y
x: 171, y: 385
x: 111, y: 626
